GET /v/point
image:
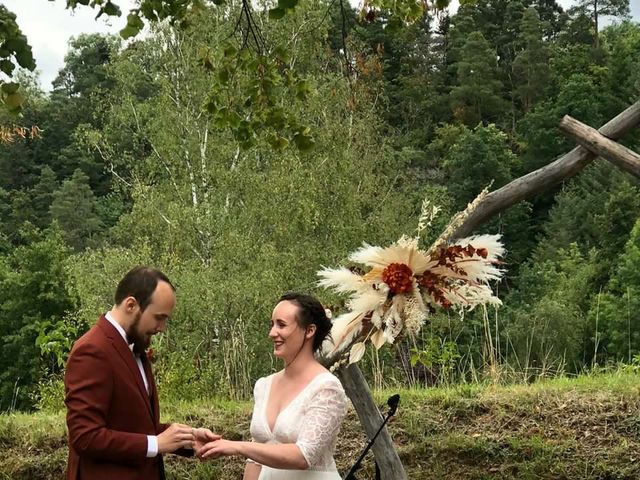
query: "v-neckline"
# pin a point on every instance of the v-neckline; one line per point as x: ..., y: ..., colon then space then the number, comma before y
x: 268, y: 396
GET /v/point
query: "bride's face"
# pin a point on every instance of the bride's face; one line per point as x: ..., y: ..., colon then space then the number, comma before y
x: 287, y: 336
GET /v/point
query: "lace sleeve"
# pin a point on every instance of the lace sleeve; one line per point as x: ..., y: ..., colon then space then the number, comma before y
x: 322, y: 422
x: 258, y: 399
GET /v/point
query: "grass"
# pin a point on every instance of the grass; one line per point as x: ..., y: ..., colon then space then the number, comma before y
x: 582, y: 428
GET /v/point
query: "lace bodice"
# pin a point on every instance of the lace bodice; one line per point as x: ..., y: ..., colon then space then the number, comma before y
x: 312, y: 420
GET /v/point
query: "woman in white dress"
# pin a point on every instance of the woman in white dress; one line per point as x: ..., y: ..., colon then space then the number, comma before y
x: 298, y: 411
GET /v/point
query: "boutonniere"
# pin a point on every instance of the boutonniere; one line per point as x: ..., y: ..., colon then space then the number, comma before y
x: 151, y: 355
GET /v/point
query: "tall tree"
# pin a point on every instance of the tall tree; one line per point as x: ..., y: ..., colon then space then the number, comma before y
x: 42, y: 195
x: 552, y: 16
x: 622, y: 44
x: 531, y: 66
x: 77, y: 104
x: 595, y: 9
x: 74, y: 207
x: 477, y: 95
x: 478, y: 158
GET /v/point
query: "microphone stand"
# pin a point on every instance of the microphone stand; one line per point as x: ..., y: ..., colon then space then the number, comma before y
x: 393, y: 406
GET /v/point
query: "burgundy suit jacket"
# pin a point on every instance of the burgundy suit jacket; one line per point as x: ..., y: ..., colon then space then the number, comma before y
x: 109, y: 412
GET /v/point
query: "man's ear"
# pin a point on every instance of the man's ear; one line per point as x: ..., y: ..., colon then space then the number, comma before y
x: 130, y: 304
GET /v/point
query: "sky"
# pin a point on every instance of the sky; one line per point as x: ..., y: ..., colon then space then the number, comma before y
x: 49, y: 26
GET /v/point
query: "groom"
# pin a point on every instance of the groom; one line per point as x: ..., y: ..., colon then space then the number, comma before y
x: 113, y: 415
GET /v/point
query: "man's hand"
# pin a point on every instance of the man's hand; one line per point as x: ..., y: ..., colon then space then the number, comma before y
x: 201, y: 437
x: 175, y: 437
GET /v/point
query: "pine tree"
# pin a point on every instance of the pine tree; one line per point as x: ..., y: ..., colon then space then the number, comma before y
x: 477, y: 97
x: 618, y: 309
x: 42, y: 197
x: 531, y: 66
x: 74, y: 208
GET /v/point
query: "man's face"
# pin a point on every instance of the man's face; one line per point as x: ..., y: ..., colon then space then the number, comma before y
x: 153, y: 319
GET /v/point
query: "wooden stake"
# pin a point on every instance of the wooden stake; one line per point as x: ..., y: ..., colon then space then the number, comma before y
x: 384, y: 451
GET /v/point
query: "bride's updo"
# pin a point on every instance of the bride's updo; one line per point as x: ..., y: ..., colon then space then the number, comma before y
x: 310, y: 312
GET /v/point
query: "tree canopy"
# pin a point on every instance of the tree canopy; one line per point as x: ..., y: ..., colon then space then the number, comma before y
x: 241, y: 173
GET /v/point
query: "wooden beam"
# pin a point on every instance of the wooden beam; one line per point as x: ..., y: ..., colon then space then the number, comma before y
x: 594, y: 141
x: 535, y: 182
x: 384, y: 451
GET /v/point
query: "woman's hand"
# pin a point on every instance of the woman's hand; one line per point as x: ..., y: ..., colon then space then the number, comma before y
x: 219, y: 448
x: 202, y: 436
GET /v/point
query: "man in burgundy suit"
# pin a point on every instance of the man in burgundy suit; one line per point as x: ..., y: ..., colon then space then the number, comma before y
x: 113, y: 415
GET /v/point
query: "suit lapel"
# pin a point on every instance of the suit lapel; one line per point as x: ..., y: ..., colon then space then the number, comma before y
x: 127, y: 356
x: 153, y: 392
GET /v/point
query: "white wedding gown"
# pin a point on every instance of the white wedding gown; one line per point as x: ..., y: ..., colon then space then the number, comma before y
x: 312, y: 421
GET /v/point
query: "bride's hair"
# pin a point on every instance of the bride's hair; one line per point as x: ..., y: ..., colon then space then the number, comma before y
x: 310, y: 312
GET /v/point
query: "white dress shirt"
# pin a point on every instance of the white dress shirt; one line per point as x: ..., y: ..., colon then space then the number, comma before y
x: 152, y: 440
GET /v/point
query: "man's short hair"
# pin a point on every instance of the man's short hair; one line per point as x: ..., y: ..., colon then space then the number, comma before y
x: 140, y: 283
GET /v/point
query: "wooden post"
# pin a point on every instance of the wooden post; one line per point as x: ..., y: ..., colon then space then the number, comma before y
x: 384, y: 451
x: 597, y: 143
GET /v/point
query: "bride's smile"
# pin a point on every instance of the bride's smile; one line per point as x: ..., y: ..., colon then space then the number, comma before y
x: 287, y: 335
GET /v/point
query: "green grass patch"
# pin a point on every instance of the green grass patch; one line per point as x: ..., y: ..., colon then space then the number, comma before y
x: 581, y: 428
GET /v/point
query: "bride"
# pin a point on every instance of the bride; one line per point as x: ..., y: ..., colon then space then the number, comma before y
x: 298, y: 411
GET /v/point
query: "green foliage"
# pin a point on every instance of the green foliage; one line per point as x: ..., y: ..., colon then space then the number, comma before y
x: 85, y: 70
x: 597, y: 210
x: 33, y: 282
x: 50, y: 395
x: 56, y: 339
x: 74, y: 208
x: 590, y: 223
x: 406, y: 10
x: 622, y: 44
x: 477, y: 159
x: 582, y: 97
x: 547, y: 316
x: 594, y: 9
x: 615, y: 312
x: 251, y: 105
x: 439, y: 357
x: 14, y: 51
x: 531, y: 64
x: 477, y: 97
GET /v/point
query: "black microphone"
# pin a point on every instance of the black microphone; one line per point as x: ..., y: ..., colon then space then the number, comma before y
x: 392, y: 402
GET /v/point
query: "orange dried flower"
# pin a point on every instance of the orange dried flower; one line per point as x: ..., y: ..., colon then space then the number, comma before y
x: 151, y: 355
x: 398, y: 277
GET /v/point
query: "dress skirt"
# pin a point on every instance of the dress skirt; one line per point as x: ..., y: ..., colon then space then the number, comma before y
x: 268, y: 473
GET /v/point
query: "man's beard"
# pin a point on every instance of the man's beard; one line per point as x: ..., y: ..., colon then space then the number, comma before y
x: 140, y: 343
